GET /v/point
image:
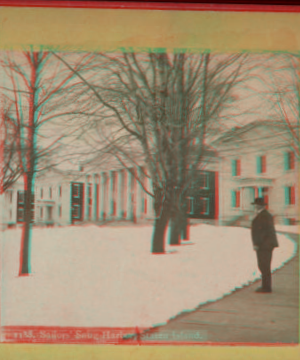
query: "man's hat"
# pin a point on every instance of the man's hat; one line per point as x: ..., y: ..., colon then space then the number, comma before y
x: 259, y: 201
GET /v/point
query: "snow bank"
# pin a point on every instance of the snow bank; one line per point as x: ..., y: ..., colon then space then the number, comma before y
x: 106, y: 276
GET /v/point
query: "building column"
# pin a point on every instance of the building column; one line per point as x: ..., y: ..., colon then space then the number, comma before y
x: 139, y: 193
x: 247, y: 198
x: 15, y: 205
x: 150, y: 199
x: 94, y: 198
x: 250, y: 198
x: 55, y: 216
x: 102, y: 194
x: 120, y: 197
x: 260, y: 194
x: 129, y: 196
x: 66, y: 215
x: 110, y: 194
x: 86, y: 198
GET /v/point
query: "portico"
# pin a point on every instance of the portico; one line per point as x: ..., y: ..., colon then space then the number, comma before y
x: 250, y: 188
x: 117, y: 195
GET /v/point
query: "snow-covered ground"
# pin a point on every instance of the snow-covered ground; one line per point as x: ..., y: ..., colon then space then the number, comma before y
x: 106, y: 276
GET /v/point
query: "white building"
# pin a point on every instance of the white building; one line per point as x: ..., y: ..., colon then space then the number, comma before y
x: 258, y: 160
x: 255, y: 160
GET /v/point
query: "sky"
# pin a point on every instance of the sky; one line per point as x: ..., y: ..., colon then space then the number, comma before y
x: 264, y: 73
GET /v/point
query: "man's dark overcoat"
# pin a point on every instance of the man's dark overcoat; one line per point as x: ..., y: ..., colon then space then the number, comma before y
x: 265, y: 240
x: 263, y: 231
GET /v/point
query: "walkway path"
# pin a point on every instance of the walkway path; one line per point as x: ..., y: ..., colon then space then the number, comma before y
x: 246, y: 316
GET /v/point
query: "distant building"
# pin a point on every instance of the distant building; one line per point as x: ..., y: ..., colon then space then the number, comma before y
x: 258, y: 160
x: 254, y: 160
x: 111, y: 193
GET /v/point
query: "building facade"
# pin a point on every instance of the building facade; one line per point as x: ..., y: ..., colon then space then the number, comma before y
x: 65, y: 198
x: 255, y: 160
x: 258, y: 160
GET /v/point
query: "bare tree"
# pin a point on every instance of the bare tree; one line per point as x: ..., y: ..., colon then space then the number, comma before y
x: 39, y: 93
x: 279, y: 90
x: 10, y: 171
x: 157, y: 109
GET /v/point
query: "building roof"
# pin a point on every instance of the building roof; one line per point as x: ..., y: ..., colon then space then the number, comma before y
x: 108, y: 162
x: 276, y: 128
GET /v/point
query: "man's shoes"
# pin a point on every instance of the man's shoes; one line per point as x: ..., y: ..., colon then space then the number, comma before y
x: 262, y: 290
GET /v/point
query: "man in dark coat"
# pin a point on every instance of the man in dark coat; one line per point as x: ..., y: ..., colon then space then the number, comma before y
x: 264, y: 240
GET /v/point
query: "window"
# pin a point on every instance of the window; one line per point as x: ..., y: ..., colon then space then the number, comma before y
x: 204, y: 206
x: 20, y: 214
x: 59, y: 190
x: 261, y: 163
x: 76, y: 211
x: 75, y: 190
x: 204, y: 180
x: 49, y: 213
x: 21, y: 197
x: 90, y: 199
x: 76, y: 201
x: 236, y: 167
x: 59, y: 210
x: 42, y: 193
x: 190, y: 205
x: 265, y: 195
x: 236, y: 198
x: 21, y: 206
x: 290, y: 195
x: 290, y: 221
x: 289, y: 160
x: 41, y: 212
x: 50, y: 192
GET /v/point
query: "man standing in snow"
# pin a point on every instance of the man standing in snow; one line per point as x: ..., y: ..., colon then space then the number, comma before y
x: 264, y: 240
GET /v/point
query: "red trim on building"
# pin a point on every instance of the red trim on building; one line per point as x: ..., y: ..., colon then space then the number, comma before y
x: 238, y: 167
x: 238, y: 199
x: 145, y: 5
x: 293, y: 198
x: 263, y: 164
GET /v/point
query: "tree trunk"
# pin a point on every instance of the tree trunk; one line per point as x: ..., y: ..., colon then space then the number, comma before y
x: 25, y: 258
x: 25, y: 255
x: 179, y: 225
x: 159, y: 230
x: 175, y: 229
x: 185, y: 227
